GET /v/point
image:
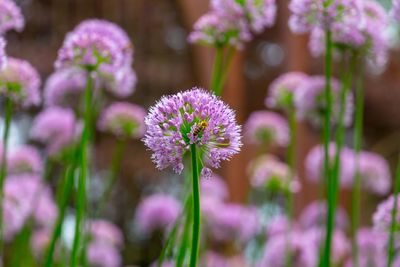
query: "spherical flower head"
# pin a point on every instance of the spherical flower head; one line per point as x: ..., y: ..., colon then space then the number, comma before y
x: 92, y: 46
x: 219, y: 29
x: 3, y: 56
x: 56, y: 128
x: 261, y: 14
x: 375, y: 173
x: 194, y: 117
x: 20, y: 82
x: 214, y: 187
x: 395, y: 12
x: 281, y: 91
x: 314, y: 164
x: 311, y: 105
x: 267, y: 172
x: 309, y: 14
x: 120, y: 82
x: 25, y: 159
x: 103, y: 231
x: 123, y: 119
x: 11, y: 17
x: 265, y: 127
x: 157, y: 212
x: 314, y: 216
x: 279, y: 225
x: 103, y: 255
x: 231, y: 223
x: 382, y: 217
x: 64, y: 87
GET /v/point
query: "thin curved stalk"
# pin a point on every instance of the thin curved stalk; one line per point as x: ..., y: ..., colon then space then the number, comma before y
x: 196, y: 208
x: 180, y: 258
x: 217, y: 70
x: 393, y: 225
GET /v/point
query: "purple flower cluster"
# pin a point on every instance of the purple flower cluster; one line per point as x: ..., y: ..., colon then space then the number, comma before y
x: 268, y: 172
x: 311, y: 105
x: 191, y: 117
x: 266, y: 128
x: 382, y: 217
x: 214, y: 188
x: 10, y: 17
x: 123, y: 119
x: 230, y: 22
x: 375, y: 173
x: 20, y: 82
x: 157, y: 212
x: 106, y: 240
x: 25, y: 197
x: 3, y: 55
x: 56, y: 128
x: 25, y: 159
x: 395, y: 12
x: 282, y: 89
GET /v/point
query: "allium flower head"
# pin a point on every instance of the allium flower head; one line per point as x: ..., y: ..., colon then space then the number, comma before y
x: 268, y: 172
x: 64, y: 87
x: 215, y: 187
x: 56, y: 128
x: 278, y: 225
x: 20, y: 82
x: 103, y: 231
x: 124, y: 120
x: 157, y: 212
x: 311, y: 105
x: 282, y: 89
x: 265, y: 127
x: 375, y: 173
x: 191, y: 117
x: 25, y: 159
x: 261, y: 14
x: 10, y: 17
x: 103, y: 255
x: 3, y: 56
x: 314, y: 216
x: 315, y: 159
x: 382, y: 217
x: 120, y: 82
x: 395, y: 12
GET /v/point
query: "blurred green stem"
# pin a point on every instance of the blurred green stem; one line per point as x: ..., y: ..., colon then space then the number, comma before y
x: 180, y: 259
x: 222, y: 63
x: 356, y: 194
x: 78, y: 245
x: 196, y: 207
x: 3, y: 170
x: 394, y: 225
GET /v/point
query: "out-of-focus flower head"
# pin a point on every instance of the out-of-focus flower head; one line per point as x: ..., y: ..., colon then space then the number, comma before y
x: 265, y: 127
x: 314, y: 216
x: 311, y: 104
x: 231, y: 223
x: 40, y: 240
x: 191, y: 117
x: 309, y: 14
x: 3, y: 55
x: 64, y: 87
x: 20, y: 82
x: 382, y: 217
x: 120, y: 83
x: 25, y: 159
x: 395, y: 12
x: 279, y: 225
x: 215, y: 187
x: 372, y: 248
x: 282, y: 89
x: 375, y: 173
x: 261, y: 14
x: 11, y: 17
x: 123, y: 119
x: 268, y: 172
x: 214, y: 259
x: 56, y: 128
x: 103, y: 255
x: 103, y: 231
x: 157, y: 212
x: 315, y: 160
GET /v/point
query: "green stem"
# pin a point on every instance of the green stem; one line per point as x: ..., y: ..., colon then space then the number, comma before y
x: 180, y: 259
x: 3, y: 170
x: 225, y: 70
x: 196, y: 207
x: 326, y: 136
x: 391, y: 246
x: 217, y: 70
x: 81, y: 204
x: 356, y: 194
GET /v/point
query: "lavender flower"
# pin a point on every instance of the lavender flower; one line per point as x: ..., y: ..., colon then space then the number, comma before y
x: 282, y: 89
x: 311, y: 105
x: 10, y: 17
x: 56, y: 128
x: 279, y: 225
x: 315, y: 159
x: 215, y: 187
x: 103, y: 231
x: 395, y: 12
x: 265, y: 127
x: 157, y: 212
x: 124, y: 120
x: 25, y: 159
x: 39, y: 241
x: 314, y: 215
x: 268, y: 172
x: 382, y: 217
x: 3, y: 56
x: 121, y: 82
x: 64, y: 87
x: 260, y: 14
x: 375, y: 173
x: 20, y: 82
x: 103, y: 255
x: 191, y: 117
